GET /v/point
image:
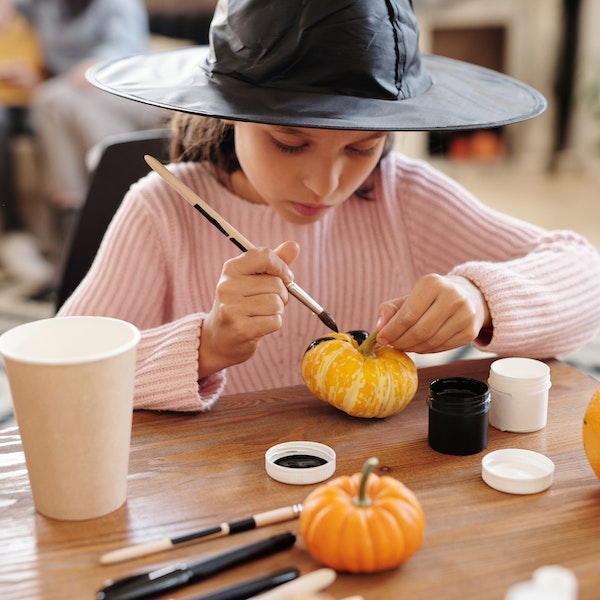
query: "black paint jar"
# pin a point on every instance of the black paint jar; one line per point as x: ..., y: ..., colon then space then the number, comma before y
x: 458, y: 415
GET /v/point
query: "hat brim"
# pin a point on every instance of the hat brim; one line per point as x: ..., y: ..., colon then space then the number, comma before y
x: 462, y: 96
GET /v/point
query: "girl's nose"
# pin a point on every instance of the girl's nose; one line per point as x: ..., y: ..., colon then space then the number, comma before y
x: 322, y: 178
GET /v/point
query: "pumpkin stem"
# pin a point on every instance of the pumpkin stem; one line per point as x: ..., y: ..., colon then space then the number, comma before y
x: 362, y: 499
x: 366, y: 348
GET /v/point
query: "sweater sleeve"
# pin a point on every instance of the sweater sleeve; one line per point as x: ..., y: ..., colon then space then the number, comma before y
x: 167, y: 364
x: 544, y: 303
x: 542, y: 287
x: 167, y: 355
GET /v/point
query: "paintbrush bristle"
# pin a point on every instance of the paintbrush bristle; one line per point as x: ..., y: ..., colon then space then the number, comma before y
x: 328, y: 319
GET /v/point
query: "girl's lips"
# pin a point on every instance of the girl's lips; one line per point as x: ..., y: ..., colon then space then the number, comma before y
x: 308, y: 210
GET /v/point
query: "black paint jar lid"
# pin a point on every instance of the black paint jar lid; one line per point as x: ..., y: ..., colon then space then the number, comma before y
x: 300, y: 463
x: 459, y: 396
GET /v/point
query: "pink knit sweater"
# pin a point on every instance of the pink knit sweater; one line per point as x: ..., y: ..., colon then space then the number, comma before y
x: 160, y: 261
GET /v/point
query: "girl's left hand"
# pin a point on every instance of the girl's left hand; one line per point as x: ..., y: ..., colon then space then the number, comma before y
x: 440, y: 313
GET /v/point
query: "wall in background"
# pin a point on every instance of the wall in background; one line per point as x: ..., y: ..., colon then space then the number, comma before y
x: 584, y: 147
x: 532, y: 32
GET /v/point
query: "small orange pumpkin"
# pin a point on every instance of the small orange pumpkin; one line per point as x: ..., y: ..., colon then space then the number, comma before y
x: 591, y: 433
x: 355, y: 374
x: 363, y: 523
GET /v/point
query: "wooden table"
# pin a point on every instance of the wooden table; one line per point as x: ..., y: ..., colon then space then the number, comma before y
x: 191, y: 471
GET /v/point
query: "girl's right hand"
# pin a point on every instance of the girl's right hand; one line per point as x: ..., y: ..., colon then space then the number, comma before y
x: 249, y: 302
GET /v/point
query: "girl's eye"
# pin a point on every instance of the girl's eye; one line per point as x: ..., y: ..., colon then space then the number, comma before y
x: 295, y: 148
x: 287, y: 147
x: 362, y: 151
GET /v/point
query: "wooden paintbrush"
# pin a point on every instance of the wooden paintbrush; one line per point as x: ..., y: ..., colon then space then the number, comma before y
x: 270, y: 517
x: 234, y: 235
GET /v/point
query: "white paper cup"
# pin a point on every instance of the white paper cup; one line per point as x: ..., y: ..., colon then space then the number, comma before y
x: 71, y: 381
x: 519, y: 394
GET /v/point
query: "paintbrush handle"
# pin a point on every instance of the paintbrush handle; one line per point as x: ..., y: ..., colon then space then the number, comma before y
x: 277, y: 515
x: 226, y: 228
x: 270, y: 517
x: 131, y: 552
x: 234, y: 235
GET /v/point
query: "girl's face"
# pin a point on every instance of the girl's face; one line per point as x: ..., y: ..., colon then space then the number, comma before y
x: 302, y: 173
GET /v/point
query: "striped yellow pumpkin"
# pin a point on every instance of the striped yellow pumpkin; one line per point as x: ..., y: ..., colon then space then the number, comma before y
x: 355, y: 374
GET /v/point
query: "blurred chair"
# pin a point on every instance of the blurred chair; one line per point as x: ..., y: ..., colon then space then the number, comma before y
x: 190, y: 26
x: 120, y: 164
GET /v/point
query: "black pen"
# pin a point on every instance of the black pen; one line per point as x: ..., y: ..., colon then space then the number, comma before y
x: 165, y: 579
x: 251, y: 587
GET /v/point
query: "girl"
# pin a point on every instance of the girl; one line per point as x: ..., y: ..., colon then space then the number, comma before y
x: 286, y: 135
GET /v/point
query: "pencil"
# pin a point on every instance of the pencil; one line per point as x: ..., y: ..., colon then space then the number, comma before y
x: 234, y: 235
x: 270, y: 517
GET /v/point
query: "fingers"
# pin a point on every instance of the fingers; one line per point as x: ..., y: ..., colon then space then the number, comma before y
x: 251, y: 304
x: 288, y: 252
x: 439, y: 314
x: 253, y: 285
x: 264, y: 261
x: 250, y: 298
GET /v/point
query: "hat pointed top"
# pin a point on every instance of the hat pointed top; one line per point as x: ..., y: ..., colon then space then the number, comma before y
x: 365, y: 48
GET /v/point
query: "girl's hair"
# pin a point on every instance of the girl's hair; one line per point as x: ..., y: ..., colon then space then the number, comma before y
x: 203, y: 139
x: 207, y: 139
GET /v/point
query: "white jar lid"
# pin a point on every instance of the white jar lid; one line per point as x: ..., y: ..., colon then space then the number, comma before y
x: 300, y: 463
x: 517, y: 471
x: 519, y: 368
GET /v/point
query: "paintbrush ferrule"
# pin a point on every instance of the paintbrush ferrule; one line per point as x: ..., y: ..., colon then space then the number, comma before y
x: 301, y: 295
x: 309, y: 302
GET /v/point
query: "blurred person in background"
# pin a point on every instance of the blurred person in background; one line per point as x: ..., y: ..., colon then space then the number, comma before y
x: 21, y: 69
x: 67, y: 114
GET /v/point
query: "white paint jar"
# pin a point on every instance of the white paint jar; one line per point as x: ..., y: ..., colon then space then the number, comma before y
x: 519, y: 394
